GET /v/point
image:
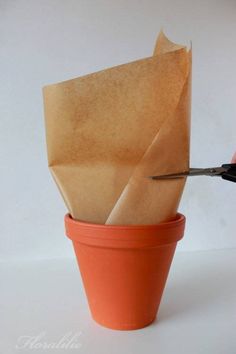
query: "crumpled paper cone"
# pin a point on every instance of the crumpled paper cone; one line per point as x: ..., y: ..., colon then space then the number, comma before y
x: 107, y: 131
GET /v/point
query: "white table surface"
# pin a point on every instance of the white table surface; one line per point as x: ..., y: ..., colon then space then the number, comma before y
x: 43, y: 302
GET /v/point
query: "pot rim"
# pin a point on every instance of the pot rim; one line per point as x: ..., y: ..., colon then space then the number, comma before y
x: 125, y: 236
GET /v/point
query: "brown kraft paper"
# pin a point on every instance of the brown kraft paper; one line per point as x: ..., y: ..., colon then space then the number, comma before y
x: 108, y: 131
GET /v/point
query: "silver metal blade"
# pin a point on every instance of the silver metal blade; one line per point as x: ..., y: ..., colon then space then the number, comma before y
x: 212, y: 171
x: 173, y: 175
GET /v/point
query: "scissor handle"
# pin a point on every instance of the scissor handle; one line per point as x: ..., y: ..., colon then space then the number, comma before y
x: 230, y: 173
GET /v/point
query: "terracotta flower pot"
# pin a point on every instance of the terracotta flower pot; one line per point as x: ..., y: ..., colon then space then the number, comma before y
x: 124, y: 268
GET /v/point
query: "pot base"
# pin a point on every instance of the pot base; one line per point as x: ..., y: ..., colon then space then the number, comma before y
x: 124, y: 326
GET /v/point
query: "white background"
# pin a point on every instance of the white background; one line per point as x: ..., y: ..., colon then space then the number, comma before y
x: 47, y: 41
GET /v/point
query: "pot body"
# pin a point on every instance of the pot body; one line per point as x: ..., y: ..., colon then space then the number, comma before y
x: 124, y: 268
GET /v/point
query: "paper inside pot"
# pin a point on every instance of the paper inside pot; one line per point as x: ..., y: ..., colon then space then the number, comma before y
x: 109, y: 130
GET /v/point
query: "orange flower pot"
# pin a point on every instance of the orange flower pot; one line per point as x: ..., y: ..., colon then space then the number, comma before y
x: 124, y: 268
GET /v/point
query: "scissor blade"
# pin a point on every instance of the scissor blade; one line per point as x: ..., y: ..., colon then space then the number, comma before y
x: 213, y: 171
x: 173, y: 175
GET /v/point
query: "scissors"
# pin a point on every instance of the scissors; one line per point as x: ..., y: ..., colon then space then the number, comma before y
x: 226, y: 171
